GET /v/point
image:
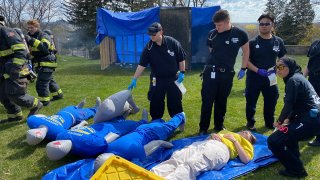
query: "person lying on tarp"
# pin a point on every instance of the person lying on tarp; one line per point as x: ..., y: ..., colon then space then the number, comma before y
x: 210, y: 154
x: 42, y: 126
x: 144, y: 140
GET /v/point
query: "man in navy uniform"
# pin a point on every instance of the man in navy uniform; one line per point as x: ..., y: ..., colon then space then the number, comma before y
x: 313, y: 71
x: 264, y: 51
x: 224, y: 43
x: 166, y: 58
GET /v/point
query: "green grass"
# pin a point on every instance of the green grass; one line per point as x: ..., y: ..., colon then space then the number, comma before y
x: 80, y: 78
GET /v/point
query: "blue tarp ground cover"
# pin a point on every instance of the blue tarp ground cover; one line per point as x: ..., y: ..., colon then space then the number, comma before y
x: 129, y: 30
x: 83, y: 169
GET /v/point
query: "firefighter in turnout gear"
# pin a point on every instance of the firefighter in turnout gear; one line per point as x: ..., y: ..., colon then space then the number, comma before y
x: 45, y: 62
x: 13, y: 75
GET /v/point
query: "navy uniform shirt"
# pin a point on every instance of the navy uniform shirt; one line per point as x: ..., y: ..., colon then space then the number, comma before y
x: 225, y: 47
x: 164, y: 60
x: 314, y: 58
x: 264, y: 52
x: 299, y: 98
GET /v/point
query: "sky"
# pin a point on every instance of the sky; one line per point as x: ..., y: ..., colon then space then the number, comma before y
x: 248, y: 10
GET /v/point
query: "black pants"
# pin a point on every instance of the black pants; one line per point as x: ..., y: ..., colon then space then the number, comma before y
x: 215, y: 90
x: 254, y: 85
x: 45, y: 84
x: 315, y: 82
x: 284, y: 143
x: 13, y: 90
x: 157, y: 94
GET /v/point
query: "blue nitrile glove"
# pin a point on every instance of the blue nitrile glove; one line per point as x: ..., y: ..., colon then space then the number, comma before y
x: 313, y: 113
x: 241, y: 73
x: 180, y: 77
x: 263, y: 72
x: 133, y: 84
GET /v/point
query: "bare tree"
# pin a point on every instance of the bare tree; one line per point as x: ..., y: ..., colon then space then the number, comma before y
x: 199, y: 3
x: 43, y: 10
x: 17, y: 12
x: 13, y: 11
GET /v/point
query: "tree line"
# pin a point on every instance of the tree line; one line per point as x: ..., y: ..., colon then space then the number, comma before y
x: 294, y: 18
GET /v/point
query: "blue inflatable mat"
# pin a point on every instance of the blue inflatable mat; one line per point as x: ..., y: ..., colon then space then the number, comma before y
x: 83, y: 169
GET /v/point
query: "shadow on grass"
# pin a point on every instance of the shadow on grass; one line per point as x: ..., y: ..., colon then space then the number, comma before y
x: 7, y: 125
x: 23, y: 149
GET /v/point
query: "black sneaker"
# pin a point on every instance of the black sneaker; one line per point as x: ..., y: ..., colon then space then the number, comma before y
x: 36, y: 109
x: 202, y: 132
x: 269, y: 126
x: 315, y: 142
x: 287, y: 173
x: 17, y: 118
x: 251, y: 127
x: 57, y: 97
x: 219, y: 128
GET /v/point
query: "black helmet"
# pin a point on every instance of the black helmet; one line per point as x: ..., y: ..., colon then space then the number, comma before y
x: 2, y: 19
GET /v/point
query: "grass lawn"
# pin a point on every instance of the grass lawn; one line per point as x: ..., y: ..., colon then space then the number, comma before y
x: 80, y: 78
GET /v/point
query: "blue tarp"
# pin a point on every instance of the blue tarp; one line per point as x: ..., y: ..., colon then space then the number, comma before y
x: 201, y: 19
x: 83, y: 169
x: 129, y: 31
x: 202, y: 16
x: 114, y: 24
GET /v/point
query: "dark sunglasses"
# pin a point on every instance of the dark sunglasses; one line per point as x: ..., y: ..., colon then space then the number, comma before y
x: 280, y: 67
x: 264, y: 24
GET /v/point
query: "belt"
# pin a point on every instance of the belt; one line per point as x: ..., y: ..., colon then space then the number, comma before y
x: 218, y: 69
x: 315, y: 73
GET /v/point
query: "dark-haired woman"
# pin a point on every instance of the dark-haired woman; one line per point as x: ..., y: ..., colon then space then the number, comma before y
x: 298, y: 121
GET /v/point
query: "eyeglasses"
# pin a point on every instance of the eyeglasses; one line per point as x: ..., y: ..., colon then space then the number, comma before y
x: 280, y: 67
x: 265, y: 24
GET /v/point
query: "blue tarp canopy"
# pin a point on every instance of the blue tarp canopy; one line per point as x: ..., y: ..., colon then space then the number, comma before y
x: 114, y: 24
x: 128, y: 29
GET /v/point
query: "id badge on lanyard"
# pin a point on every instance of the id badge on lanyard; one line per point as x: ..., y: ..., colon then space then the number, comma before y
x: 213, y: 75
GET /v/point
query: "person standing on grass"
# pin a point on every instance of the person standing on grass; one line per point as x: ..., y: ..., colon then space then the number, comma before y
x: 166, y: 58
x: 264, y: 51
x: 224, y: 43
x: 313, y: 71
x: 45, y: 62
x: 299, y: 119
x: 13, y: 75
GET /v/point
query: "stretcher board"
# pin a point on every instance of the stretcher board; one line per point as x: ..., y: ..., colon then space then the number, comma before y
x: 117, y: 168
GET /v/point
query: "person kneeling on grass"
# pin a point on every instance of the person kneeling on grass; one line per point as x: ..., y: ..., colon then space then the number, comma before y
x: 210, y: 154
x: 299, y: 119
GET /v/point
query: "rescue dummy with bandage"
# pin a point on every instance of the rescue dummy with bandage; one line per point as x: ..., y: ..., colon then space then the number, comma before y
x: 49, y: 127
x: 90, y: 140
x: 144, y: 140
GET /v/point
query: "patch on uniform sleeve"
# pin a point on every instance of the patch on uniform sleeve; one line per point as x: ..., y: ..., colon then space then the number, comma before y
x: 10, y: 34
